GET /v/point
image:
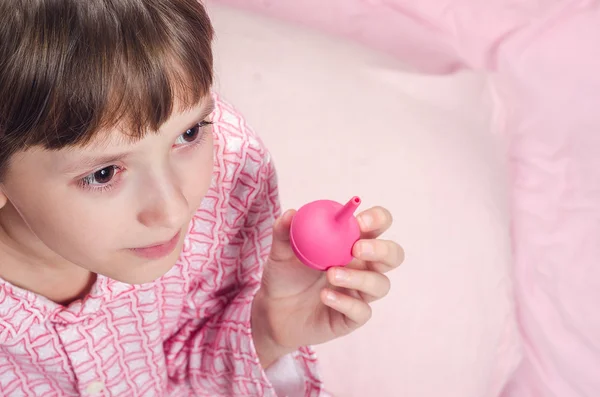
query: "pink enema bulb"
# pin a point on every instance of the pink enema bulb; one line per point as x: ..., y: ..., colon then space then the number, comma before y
x: 323, y: 233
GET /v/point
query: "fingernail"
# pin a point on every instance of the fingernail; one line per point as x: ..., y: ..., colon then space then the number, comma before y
x: 341, y: 275
x: 366, y: 221
x: 366, y: 249
x: 331, y: 296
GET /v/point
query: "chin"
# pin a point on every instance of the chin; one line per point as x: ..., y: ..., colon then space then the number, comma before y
x: 150, y: 276
x: 146, y: 271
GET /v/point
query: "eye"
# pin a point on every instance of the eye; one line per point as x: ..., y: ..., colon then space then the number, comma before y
x: 191, y: 135
x: 100, y: 177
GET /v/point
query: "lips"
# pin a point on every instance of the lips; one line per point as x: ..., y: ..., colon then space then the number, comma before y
x: 157, y: 251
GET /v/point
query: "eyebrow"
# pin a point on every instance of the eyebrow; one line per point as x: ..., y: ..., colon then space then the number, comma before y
x: 91, y: 162
x: 210, y: 107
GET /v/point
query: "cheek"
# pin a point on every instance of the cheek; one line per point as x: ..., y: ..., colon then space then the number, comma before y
x: 197, y: 174
x: 69, y: 226
x: 59, y: 217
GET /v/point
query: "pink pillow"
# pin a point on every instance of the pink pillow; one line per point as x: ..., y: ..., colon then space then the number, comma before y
x: 549, y: 74
x: 545, y: 56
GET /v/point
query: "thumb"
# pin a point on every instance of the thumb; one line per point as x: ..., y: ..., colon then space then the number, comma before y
x: 284, y: 275
x: 281, y: 249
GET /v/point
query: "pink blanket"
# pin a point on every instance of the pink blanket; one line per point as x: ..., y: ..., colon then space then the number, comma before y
x: 545, y: 56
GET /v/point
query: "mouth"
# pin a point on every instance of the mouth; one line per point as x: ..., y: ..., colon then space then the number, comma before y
x: 159, y: 250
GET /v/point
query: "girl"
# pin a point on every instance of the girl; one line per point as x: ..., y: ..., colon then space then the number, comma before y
x: 137, y: 212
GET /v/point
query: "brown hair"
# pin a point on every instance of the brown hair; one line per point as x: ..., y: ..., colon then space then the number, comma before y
x: 69, y: 68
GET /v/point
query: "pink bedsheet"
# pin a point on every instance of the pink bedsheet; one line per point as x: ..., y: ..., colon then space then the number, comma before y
x: 545, y: 55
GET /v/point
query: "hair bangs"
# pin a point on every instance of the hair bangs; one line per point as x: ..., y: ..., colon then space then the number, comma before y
x: 77, y: 68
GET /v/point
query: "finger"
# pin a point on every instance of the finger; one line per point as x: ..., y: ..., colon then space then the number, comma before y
x: 281, y: 228
x: 382, y: 255
x: 374, y: 222
x: 356, y: 311
x: 280, y: 249
x: 371, y: 285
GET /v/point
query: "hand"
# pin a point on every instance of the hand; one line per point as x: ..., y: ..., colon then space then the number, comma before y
x: 299, y: 306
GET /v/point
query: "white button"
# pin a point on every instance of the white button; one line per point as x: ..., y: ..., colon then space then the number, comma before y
x: 95, y: 388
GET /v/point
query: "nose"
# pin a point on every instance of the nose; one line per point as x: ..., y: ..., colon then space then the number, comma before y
x: 163, y: 203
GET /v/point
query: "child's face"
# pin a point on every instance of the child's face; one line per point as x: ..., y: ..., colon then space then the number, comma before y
x: 95, y: 206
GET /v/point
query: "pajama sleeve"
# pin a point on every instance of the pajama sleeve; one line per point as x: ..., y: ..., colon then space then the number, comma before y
x: 213, y: 347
